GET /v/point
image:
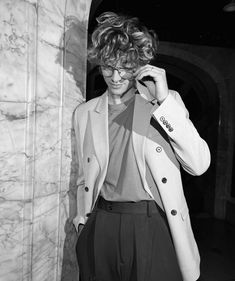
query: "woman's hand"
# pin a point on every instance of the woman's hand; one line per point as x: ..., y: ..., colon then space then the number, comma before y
x: 158, y: 76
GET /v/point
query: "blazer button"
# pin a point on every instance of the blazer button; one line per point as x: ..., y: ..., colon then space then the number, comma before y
x: 171, y: 129
x: 173, y: 212
x: 162, y: 118
x: 158, y: 149
x: 164, y: 180
x: 86, y: 189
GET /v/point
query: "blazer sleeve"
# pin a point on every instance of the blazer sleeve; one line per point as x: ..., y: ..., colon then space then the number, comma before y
x: 190, y: 149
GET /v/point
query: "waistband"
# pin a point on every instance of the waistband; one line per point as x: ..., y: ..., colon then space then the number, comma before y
x: 142, y: 207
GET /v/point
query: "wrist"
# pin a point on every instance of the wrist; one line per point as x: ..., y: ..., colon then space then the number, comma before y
x: 161, y: 100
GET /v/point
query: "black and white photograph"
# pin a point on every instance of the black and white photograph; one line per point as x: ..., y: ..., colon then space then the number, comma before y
x: 117, y: 140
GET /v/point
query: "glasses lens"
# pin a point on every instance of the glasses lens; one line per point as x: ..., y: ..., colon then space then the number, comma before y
x: 125, y: 73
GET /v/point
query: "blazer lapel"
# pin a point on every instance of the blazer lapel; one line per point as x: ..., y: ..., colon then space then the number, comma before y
x: 99, y: 129
x: 141, y: 123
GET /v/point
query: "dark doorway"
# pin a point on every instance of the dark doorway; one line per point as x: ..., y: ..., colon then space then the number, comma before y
x: 200, y: 95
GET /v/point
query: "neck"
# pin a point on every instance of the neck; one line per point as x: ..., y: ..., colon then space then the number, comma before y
x: 116, y: 99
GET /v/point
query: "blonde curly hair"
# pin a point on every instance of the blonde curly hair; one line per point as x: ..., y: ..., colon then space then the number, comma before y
x: 121, y: 38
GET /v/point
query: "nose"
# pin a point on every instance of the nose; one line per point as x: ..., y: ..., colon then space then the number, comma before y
x: 116, y: 77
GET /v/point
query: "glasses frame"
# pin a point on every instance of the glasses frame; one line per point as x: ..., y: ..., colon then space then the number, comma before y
x: 128, y: 72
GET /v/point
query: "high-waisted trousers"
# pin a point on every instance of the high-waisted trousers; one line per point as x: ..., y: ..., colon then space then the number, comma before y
x: 125, y: 241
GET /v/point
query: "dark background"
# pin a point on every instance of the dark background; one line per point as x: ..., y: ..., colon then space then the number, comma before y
x: 192, y: 22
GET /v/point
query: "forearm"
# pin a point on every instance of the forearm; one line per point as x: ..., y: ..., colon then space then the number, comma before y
x: 190, y: 149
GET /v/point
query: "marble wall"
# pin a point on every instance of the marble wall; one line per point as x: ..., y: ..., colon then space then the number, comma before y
x: 42, y: 79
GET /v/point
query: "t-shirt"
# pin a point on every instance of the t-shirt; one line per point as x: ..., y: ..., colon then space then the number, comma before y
x: 123, y: 181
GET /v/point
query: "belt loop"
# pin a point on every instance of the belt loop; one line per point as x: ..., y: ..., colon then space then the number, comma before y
x: 149, y: 213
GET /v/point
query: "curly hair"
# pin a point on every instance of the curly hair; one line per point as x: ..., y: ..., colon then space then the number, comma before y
x: 121, y: 38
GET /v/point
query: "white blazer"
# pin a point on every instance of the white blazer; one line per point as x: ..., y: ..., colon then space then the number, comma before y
x: 178, y: 143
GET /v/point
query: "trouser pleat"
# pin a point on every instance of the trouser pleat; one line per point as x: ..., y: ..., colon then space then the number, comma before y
x: 127, y: 247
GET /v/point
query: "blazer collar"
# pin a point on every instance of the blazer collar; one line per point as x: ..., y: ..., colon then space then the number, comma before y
x: 99, y: 128
x: 102, y: 104
x: 142, y: 112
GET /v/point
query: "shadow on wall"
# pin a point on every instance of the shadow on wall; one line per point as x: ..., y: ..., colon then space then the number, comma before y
x: 71, y: 58
x: 72, y: 46
x: 70, y: 271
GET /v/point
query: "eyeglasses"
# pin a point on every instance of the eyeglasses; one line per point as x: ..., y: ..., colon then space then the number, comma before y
x: 125, y: 73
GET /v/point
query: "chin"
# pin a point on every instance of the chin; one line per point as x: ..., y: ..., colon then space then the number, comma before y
x: 117, y: 92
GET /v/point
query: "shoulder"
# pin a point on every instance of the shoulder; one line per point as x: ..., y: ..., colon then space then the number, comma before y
x: 86, y: 106
x: 80, y: 114
x: 82, y: 109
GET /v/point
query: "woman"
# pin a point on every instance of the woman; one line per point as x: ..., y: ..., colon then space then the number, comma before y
x: 132, y: 216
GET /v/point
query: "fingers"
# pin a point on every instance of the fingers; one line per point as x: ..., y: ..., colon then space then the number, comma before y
x: 159, y: 78
x: 149, y: 70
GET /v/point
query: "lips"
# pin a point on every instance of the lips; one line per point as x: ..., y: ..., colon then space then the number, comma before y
x: 116, y: 86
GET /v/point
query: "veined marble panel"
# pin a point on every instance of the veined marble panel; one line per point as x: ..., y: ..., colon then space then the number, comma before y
x: 42, y: 80
x: 17, y: 49
x: 67, y: 242
x: 11, y: 244
x: 66, y: 149
x: 47, y: 142
x: 60, y: 54
x: 45, y: 237
x: 13, y: 154
x: 36, y: 33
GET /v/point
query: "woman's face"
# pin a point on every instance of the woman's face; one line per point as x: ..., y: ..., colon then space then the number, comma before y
x: 118, y: 79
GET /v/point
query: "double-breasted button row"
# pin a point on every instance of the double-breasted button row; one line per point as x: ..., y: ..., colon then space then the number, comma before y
x: 86, y: 187
x: 173, y: 212
x: 166, y: 123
